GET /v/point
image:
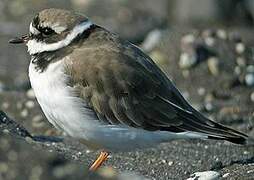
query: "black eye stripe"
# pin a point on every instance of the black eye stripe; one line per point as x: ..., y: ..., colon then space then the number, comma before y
x: 46, y: 30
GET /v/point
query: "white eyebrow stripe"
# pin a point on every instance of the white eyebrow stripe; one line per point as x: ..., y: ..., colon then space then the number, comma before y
x: 56, y: 27
x: 33, y: 30
x: 37, y: 47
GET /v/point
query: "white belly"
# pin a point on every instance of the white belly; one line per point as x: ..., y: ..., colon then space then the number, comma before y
x: 58, y: 101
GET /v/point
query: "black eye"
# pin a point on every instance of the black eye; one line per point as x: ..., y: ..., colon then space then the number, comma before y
x: 47, y: 31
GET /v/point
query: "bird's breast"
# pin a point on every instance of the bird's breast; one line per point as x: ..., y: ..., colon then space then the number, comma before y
x: 58, y: 101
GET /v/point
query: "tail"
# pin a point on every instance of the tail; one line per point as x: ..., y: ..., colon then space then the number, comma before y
x: 200, y: 124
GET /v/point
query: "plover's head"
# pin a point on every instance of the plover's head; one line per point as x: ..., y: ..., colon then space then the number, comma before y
x: 53, y: 29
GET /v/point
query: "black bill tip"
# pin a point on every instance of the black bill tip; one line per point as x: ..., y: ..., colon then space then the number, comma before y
x: 19, y: 40
x: 16, y: 40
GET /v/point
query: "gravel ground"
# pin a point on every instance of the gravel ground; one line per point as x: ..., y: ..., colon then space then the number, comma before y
x: 57, y: 158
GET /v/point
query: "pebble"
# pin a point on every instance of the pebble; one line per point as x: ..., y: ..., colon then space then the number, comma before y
x: 151, y: 40
x: 209, y: 41
x: 5, y: 105
x: 164, y: 161
x: 37, y: 118
x: 249, y: 79
x: 29, y: 139
x: 240, y: 61
x: 3, y: 167
x: 206, y: 175
x: 24, y: 113
x: 237, y: 70
x: 201, y: 91
x: 226, y: 175
x: 222, y: 34
x: 30, y: 94
x: 250, y: 171
x: 213, y: 65
x: 29, y: 104
x: 187, y: 60
x: 240, y: 48
x: 3, y: 120
x: 245, y: 152
x: 170, y: 163
x: 252, y: 96
x: 209, y: 107
x: 188, y: 39
x: 250, y: 69
x: 6, y: 131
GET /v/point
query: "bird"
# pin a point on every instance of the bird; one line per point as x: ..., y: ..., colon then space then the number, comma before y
x: 105, y: 91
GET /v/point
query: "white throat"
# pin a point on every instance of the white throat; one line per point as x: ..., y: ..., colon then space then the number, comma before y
x: 35, y: 46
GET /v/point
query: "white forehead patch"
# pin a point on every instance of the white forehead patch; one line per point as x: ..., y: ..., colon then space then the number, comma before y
x: 33, y: 30
x: 35, y: 46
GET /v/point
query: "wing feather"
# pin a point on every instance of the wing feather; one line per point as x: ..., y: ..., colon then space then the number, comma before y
x: 126, y: 87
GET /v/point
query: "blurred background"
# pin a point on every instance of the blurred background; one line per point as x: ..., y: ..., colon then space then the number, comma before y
x: 133, y: 20
x: 204, y: 46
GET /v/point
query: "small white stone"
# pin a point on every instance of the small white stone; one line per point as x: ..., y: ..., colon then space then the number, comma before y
x: 240, y: 61
x: 237, y: 70
x: 29, y: 104
x: 250, y: 171
x: 206, y: 175
x: 151, y: 40
x: 250, y: 69
x: 187, y: 60
x: 225, y: 175
x: 24, y: 113
x: 213, y: 65
x: 37, y: 118
x: 3, y: 168
x: 222, y: 34
x: 188, y: 39
x: 170, y: 163
x: 29, y: 139
x: 5, y: 105
x: 252, y: 96
x: 30, y: 94
x: 239, y: 48
x: 201, y: 91
x: 210, y: 41
x: 164, y: 161
x: 6, y: 131
x: 249, y: 79
x: 245, y: 152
